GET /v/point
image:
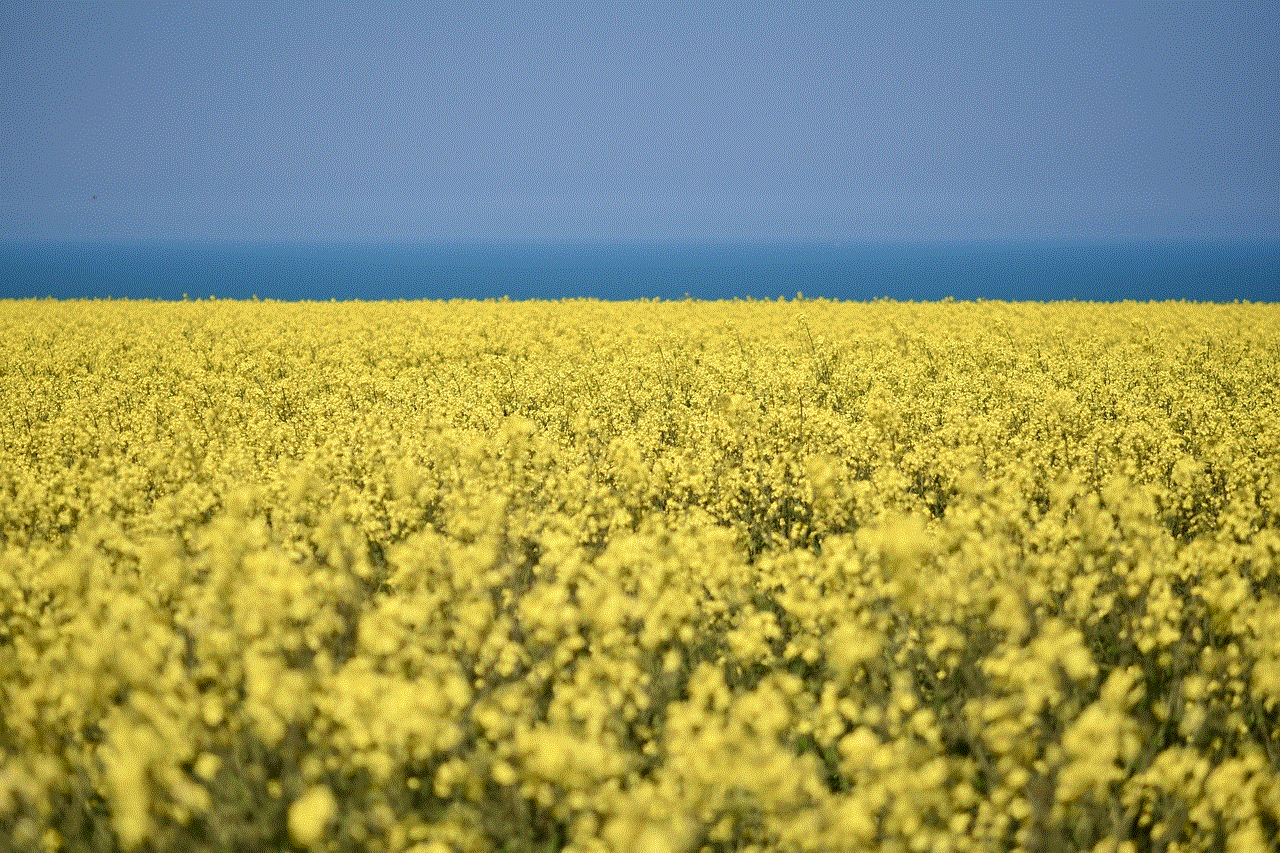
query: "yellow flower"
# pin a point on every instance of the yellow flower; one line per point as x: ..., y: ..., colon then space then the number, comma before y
x: 310, y: 815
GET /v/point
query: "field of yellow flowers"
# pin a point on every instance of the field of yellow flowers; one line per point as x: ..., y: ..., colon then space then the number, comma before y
x: 662, y: 577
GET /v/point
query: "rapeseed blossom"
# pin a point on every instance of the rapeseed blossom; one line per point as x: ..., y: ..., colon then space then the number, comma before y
x: 662, y: 577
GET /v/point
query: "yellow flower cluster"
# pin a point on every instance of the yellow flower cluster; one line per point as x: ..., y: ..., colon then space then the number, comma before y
x: 651, y: 577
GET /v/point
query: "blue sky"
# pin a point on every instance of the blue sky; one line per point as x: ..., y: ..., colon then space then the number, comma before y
x: 640, y: 121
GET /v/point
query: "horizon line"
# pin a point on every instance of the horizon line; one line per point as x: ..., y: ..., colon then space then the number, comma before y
x: 601, y: 242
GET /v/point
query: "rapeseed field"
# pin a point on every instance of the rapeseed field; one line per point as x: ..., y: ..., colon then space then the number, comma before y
x: 662, y: 577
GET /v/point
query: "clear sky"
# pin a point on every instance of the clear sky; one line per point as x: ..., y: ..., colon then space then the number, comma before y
x: 640, y: 121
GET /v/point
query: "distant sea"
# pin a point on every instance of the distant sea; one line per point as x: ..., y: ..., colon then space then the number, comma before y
x: 1217, y: 272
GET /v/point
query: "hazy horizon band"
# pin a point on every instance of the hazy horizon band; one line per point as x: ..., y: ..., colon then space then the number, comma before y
x: 1020, y: 271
